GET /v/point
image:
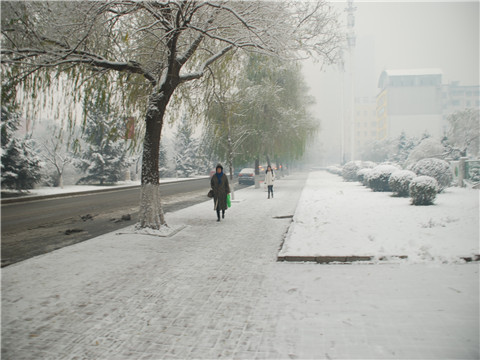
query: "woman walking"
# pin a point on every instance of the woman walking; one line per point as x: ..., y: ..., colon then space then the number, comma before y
x: 220, y: 187
x: 269, y: 179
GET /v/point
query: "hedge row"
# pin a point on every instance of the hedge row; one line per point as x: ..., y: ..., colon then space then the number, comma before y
x: 421, y: 182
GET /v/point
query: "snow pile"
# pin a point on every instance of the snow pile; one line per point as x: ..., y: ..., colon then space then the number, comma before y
x: 337, y: 218
x: 423, y: 190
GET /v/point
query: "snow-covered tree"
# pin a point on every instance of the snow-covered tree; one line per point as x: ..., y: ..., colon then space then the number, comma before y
x: 378, y: 151
x: 185, y: 150
x: 142, y: 51
x: 105, y: 159
x: 464, y: 131
x: 20, y: 165
x: 163, y: 161
x: 392, y: 149
x: 404, y: 146
x: 428, y: 148
x: 55, y: 154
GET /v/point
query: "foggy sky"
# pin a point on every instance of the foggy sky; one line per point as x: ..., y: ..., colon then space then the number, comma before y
x: 399, y: 35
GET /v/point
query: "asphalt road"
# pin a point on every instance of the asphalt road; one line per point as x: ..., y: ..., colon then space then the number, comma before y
x: 31, y: 228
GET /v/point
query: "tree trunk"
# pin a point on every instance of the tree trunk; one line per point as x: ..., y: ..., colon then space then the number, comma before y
x: 257, y: 173
x: 151, y: 211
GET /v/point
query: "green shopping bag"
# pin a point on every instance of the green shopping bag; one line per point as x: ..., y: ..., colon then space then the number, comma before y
x: 229, y: 202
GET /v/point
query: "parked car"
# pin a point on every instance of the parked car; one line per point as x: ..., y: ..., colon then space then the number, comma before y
x: 246, y: 176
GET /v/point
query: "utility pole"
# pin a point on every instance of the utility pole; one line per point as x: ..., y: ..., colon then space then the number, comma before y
x: 351, y: 46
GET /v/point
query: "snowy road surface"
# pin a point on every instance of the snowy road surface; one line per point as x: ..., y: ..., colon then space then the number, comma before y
x: 36, y: 227
x: 215, y: 290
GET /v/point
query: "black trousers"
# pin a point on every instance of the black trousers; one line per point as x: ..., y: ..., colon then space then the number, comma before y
x: 270, y: 190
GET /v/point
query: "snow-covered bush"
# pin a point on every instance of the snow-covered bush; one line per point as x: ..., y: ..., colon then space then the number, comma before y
x: 349, y: 171
x: 362, y: 173
x: 423, y: 190
x: 377, y: 178
x: 436, y: 168
x: 368, y: 164
x: 428, y: 148
x: 400, y: 181
x: 333, y: 169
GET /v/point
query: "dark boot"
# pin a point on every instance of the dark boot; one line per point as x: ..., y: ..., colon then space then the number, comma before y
x: 223, y: 214
x: 218, y: 215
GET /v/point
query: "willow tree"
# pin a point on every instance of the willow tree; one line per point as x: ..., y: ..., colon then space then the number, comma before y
x: 139, y: 52
x: 277, y: 107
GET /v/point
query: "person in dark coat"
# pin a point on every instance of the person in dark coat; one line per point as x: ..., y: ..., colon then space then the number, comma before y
x: 220, y: 187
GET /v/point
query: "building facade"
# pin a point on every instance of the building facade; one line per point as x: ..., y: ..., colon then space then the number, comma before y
x: 456, y: 97
x: 366, y: 123
x: 410, y: 101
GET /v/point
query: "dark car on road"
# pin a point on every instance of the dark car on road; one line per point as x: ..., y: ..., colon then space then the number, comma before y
x: 246, y: 176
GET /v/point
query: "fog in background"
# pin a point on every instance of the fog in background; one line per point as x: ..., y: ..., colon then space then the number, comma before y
x: 394, y: 35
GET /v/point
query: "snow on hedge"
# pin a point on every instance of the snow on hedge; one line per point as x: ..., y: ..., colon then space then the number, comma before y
x: 377, y: 178
x: 423, y: 190
x: 349, y: 171
x: 400, y: 181
x: 436, y: 168
x: 333, y: 169
x: 362, y: 174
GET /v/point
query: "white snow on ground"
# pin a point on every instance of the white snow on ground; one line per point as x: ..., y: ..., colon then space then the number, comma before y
x: 337, y: 218
x: 215, y: 290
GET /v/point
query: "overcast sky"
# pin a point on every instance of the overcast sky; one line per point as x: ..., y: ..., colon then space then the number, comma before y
x: 400, y: 35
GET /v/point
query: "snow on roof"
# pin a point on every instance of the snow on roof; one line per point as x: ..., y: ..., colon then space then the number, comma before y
x: 413, y: 72
x: 406, y: 72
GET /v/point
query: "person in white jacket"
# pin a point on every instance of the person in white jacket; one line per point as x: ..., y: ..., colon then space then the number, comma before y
x: 269, y: 179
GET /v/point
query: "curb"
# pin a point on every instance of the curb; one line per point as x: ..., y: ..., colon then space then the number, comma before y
x: 352, y: 259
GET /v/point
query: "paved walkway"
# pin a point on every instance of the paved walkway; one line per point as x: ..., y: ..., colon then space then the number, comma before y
x: 215, y: 290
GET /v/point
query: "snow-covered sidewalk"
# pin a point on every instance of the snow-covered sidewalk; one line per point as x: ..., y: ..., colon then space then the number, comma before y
x: 216, y: 290
x: 344, y: 219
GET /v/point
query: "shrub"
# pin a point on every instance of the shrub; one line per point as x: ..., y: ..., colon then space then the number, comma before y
x: 377, y: 178
x: 436, y: 168
x: 361, y: 174
x: 368, y: 164
x: 349, y: 171
x: 423, y: 190
x: 400, y: 181
x: 333, y: 169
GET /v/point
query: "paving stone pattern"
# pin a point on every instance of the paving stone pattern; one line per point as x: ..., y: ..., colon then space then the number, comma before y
x: 215, y: 290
